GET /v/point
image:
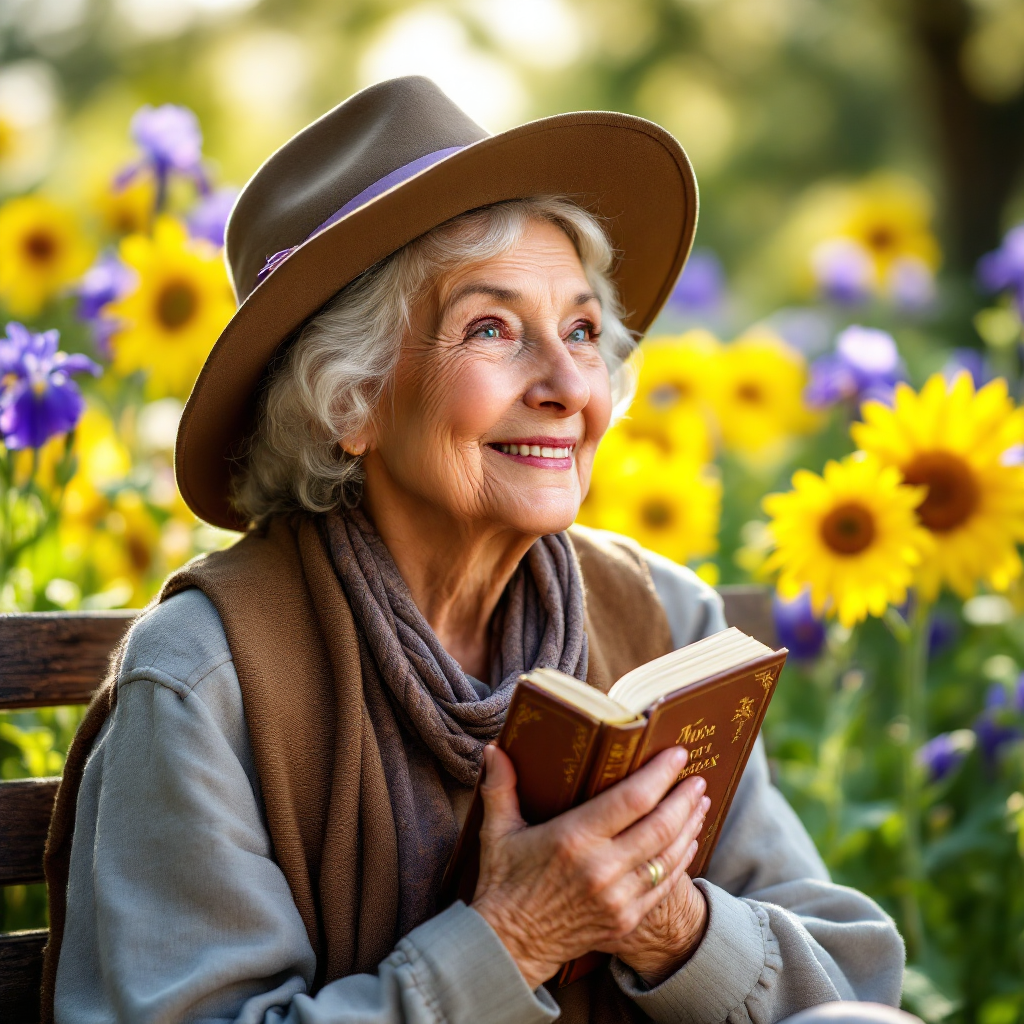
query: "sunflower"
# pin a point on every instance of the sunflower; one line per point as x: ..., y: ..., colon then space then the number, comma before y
x: 669, y: 503
x: 174, y: 316
x: 672, y: 406
x: 759, y: 392
x: 890, y: 216
x: 42, y: 249
x: 953, y: 442
x: 851, y: 537
x: 127, y: 210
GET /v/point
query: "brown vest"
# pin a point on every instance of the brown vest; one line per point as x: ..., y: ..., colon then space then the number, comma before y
x: 295, y: 650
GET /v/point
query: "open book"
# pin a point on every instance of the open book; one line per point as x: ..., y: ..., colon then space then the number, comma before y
x: 569, y: 741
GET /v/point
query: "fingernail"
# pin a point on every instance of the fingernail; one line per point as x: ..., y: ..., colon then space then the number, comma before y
x: 682, y: 755
x: 701, y: 784
x: 705, y: 804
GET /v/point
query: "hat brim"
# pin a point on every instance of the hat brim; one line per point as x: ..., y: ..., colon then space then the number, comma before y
x: 628, y: 171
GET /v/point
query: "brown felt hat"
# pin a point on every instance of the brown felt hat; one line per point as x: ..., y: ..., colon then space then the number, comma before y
x: 381, y: 169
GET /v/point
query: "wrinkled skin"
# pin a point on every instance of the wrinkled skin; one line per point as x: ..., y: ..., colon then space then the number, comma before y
x: 500, y: 352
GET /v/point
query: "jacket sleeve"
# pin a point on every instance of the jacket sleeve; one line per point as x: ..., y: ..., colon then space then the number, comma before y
x: 177, y: 910
x: 781, y: 936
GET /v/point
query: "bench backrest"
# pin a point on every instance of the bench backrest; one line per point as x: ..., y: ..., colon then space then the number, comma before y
x: 58, y: 658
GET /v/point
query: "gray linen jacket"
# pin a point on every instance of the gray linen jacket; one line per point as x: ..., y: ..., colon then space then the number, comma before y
x: 177, y: 910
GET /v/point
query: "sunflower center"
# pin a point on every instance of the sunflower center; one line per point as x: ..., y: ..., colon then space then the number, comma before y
x: 848, y: 529
x: 881, y: 237
x: 953, y: 492
x: 39, y: 246
x: 656, y: 513
x: 664, y: 396
x: 750, y: 392
x: 176, y: 304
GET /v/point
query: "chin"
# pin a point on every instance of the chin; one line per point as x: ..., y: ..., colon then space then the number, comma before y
x: 543, y: 518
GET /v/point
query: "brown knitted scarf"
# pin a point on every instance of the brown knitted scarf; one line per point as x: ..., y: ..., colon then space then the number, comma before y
x: 309, y: 705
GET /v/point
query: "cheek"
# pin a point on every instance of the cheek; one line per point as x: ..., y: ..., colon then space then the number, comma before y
x: 443, y: 403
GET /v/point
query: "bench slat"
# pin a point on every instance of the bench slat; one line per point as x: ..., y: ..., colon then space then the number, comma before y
x: 749, y: 607
x: 25, y: 808
x: 49, y: 658
x: 21, y: 971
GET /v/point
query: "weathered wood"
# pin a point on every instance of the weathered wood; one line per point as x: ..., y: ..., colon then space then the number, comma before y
x: 49, y: 658
x: 25, y: 809
x: 21, y: 969
x: 749, y: 607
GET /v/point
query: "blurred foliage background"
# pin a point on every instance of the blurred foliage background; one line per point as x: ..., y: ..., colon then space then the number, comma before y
x: 856, y: 158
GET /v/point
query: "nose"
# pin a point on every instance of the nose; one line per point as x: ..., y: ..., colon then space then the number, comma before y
x: 558, y: 385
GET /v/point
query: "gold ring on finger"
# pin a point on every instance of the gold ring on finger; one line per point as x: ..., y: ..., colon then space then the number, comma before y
x: 656, y: 870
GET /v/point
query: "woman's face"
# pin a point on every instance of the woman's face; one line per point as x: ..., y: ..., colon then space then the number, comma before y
x: 500, y: 395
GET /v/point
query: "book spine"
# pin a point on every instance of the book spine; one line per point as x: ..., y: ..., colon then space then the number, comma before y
x: 551, y: 745
x: 616, y: 749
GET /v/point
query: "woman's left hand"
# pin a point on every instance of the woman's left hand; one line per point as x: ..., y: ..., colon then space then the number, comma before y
x: 669, y: 934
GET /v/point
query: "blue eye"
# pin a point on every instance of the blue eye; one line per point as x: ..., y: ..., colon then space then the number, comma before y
x: 579, y: 334
x: 490, y: 333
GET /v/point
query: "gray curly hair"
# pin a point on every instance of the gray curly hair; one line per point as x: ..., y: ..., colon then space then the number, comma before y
x: 326, y: 384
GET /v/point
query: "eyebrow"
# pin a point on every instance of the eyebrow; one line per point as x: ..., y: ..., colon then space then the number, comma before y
x: 506, y: 295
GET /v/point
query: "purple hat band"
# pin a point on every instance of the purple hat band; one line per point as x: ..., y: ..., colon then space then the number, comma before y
x: 395, y: 177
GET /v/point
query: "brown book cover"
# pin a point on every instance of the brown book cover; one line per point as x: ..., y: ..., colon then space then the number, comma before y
x: 563, y: 756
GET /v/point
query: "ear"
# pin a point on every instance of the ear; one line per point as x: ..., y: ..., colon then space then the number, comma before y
x: 354, y: 446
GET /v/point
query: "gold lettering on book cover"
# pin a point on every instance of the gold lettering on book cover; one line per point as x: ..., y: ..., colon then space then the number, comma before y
x: 525, y: 713
x: 744, y: 713
x: 694, y: 732
x: 571, y: 764
x: 766, y: 677
x: 698, y: 767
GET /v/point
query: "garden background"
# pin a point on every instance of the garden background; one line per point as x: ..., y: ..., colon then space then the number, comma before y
x: 860, y: 172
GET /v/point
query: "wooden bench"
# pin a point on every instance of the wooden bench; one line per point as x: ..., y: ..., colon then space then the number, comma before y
x: 59, y: 658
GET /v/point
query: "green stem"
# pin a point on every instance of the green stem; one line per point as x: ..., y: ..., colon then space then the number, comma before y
x: 912, y: 693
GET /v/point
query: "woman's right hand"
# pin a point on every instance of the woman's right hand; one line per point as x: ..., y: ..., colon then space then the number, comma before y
x: 553, y: 892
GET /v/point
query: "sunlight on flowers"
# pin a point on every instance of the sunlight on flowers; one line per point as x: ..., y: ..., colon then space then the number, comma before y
x: 177, y: 312
x: 890, y: 216
x: 850, y: 536
x: 42, y: 251
x: 669, y: 503
x: 958, y: 445
x: 127, y: 209
x: 759, y: 391
x: 673, y: 402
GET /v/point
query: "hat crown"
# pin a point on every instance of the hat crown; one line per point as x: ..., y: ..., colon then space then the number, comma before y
x: 333, y: 160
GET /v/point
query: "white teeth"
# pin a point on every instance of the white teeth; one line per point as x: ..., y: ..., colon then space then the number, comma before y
x: 536, y: 450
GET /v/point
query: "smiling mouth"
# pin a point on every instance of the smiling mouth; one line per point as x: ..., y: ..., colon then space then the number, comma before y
x: 547, y: 456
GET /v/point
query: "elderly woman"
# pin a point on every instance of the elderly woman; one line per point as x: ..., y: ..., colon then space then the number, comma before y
x: 258, y: 810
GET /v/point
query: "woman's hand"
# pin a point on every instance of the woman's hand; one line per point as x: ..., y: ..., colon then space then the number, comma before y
x: 667, y: 937
x: 579, y: 882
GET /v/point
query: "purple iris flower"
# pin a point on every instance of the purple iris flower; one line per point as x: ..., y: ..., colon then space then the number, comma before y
x: 866, y: 365
x: 992, y: 726
x: 844, y: 271
x: 171, y: 142
x: 941, y: 755
x: 942, y: 633
x: 1003, y: 269
x: 701, y: 286
x: 971, y: 360
x: 911, y: 284
x: 209, y: 218
x: 107, y: 280
x: 38, y: 399
x: 797, y: 627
